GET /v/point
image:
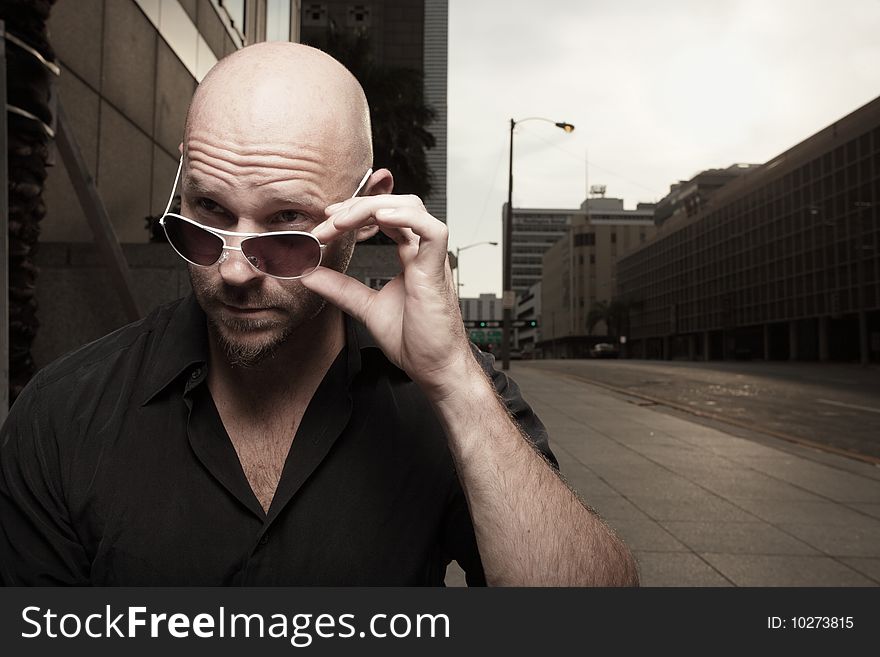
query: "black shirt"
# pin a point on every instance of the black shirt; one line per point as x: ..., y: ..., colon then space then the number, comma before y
x: 115, y: 469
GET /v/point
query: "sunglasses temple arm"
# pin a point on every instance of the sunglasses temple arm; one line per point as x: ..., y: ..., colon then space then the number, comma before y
x: 174, y: 187
x: 363, y: 182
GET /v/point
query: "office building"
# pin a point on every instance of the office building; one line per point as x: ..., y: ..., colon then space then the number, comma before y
x: 485, y: 308
x: 528, y: 309
x: 780, y: 263
x: 534, y: 231
x: 578, y: 275
x: 687, y: 197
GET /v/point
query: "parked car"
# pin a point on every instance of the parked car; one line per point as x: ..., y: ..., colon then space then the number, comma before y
x: 604, y: 350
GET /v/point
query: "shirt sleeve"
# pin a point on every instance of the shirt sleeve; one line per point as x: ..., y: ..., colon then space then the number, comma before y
x: 38, y: 546
x: 522, y: 413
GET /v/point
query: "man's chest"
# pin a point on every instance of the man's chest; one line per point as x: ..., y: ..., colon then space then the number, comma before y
x: 358, y: 499
x: 262, y: 450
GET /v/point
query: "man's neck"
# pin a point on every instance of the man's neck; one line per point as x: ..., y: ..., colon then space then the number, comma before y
x: 291, y: 373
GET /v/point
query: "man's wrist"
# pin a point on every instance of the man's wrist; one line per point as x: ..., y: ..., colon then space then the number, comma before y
x: 460, y: 378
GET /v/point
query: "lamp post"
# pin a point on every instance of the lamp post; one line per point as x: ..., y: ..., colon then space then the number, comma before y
x: 508, y: 298
x: 458, y: 264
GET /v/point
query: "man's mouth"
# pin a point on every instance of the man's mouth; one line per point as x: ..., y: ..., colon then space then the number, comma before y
x: 245, y: 310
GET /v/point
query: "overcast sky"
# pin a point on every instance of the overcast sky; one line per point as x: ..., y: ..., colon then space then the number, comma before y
x: 657, y: 91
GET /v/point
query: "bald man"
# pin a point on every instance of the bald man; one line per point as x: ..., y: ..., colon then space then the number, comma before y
x: 285, y: 424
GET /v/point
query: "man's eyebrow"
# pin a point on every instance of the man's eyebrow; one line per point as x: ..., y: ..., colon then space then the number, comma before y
x: 193, y: 185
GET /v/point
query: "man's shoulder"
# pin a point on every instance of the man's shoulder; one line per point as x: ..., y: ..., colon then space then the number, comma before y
x: 106, y: 351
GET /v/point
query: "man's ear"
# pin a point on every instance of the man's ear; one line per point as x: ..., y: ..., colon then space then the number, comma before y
x: 381, y: 182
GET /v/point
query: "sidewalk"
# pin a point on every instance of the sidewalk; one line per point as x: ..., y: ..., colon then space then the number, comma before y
x: 702, y: 507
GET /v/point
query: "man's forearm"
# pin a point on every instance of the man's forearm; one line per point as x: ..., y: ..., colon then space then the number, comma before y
x: 531, y: 529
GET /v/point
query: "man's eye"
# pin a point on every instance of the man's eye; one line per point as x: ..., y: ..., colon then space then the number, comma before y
x: 289, y: 216
x: 208, y: 205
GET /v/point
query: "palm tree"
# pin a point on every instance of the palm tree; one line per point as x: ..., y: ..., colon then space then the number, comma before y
x: 28, y: 87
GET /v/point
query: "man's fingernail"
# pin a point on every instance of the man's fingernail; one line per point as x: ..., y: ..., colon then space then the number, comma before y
x: 331, y: 208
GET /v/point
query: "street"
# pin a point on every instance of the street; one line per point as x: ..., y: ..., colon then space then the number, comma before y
x: 834, y: 405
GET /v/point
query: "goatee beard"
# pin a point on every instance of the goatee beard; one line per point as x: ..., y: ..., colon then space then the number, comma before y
x: 247, y: 355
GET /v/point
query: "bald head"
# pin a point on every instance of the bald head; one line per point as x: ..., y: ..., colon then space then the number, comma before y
x: 284, y: 93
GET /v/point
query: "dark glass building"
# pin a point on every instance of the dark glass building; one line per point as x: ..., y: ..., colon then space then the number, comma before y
x: 780, y: 263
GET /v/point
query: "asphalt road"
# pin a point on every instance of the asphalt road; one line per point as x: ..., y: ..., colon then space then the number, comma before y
x: 829, y: 404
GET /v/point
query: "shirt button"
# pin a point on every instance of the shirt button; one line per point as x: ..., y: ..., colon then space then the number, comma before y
x: 264, y: 539
x: 196, y: 373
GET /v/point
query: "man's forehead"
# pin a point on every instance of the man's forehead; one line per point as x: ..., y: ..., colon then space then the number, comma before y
x: 294, y: 107
x: 275, y: 184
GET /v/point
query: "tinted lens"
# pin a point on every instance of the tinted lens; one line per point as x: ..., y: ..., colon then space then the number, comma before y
x: 286, y: 256
x: 193, y: 243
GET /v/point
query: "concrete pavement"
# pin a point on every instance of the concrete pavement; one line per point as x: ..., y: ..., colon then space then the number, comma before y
x: 700, y: 506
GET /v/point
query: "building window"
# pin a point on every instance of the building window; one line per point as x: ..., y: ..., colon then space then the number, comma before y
x: 315, y: 15
x: 277, y: 20
x: 592, y: 258
x: 358, y: 16
x: 614, y: 238
x: 585, y: 239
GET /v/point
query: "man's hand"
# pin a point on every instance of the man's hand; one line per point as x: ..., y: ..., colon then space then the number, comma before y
x: 415, y: 318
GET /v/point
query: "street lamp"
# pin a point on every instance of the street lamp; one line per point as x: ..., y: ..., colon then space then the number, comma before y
x: 458, y: 263
x: 508, y: 298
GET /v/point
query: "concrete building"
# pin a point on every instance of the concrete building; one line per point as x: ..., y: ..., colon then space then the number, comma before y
x: 687, y: 197
x: 579, y: 273
x: 485, y: 308
x: 528, y: 308
x: 534, y: 231
x: 782, y: 263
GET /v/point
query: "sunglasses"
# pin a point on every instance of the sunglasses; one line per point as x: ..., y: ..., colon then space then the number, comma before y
x: 285, y: 254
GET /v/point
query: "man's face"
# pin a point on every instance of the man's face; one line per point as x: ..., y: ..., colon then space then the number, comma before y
x: 251, y: 314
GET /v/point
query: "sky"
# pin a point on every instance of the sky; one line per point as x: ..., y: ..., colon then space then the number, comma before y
x: 657, y: 92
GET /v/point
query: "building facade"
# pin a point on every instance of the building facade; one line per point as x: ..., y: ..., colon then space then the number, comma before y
x: 687, y: 197
x: 782, y: 263
x: 534, y: 231
x: 579, y: 275
x: 528, y: 309
x: 485, y: 309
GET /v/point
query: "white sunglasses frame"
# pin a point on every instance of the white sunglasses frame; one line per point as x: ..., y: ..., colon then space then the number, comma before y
x: 224, y: 252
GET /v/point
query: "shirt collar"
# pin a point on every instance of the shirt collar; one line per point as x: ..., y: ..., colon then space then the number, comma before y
x: 183, y: 344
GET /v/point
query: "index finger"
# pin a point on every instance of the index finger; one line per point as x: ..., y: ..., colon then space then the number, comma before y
x: 359, y: 212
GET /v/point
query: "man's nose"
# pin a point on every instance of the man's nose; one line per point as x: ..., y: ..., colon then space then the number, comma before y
x: 235, y: 269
